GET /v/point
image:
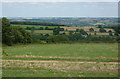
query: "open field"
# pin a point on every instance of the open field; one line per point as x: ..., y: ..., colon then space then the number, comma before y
x: 92, y: 33
x: 65, y: 50
x: 36, y: 26
x: 85, y: 28
x: 61, y: 60
x: 66, y: 29
x: 46, y: 31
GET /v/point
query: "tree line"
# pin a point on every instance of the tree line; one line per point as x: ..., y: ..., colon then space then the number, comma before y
x: 41, y: 28
x: 35, y: 23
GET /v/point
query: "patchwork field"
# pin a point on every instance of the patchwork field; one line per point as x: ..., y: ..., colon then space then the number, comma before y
x: 66, y: 29
x: 85, y: 28
x: 61, y: 60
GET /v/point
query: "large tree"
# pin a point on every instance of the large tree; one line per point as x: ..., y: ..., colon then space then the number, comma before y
x: 7, y: 36
x: 12, y: 35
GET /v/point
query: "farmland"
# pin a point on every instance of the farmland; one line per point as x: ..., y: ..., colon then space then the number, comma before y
x: 36, y: 26
x: 66, y: 29
x: 59, y: 38
x: 61, y: 60
x: 59, y: 51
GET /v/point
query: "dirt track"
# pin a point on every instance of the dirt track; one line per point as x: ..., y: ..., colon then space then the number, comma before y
x: 55, y: 61
x: 63, y: 66
x: 26, y: 56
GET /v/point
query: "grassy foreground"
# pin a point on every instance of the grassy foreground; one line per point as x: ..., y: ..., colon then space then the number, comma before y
x: 65, y: 50
x: 68, y: 57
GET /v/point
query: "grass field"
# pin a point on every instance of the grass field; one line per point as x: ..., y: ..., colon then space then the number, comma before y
x: 66, y: 50
x: 61, y: 60
x: 46, y: 31
x: 36, y: 26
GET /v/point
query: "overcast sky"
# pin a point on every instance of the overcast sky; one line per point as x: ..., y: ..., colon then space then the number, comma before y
x: 59, y: 0
x: 37, y: 8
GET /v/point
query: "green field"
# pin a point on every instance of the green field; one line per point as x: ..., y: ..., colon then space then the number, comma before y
x: 36, y: 26
x: 61, y: 60
x: 66, y: 50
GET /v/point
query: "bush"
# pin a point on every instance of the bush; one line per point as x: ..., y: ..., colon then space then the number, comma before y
x: 91, y: 30
x: 102, y: 30
x: 58, y: 38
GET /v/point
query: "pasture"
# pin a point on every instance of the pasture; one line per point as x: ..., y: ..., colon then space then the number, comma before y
x: 36, y: 26
x: 61, y: 60
x: 65, y: 50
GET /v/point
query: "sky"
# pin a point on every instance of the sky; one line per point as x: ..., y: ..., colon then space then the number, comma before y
x: 58, y: 8
x: 59, y: 0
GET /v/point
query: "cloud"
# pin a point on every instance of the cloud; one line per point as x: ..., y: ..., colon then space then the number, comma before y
x: 60, y: 0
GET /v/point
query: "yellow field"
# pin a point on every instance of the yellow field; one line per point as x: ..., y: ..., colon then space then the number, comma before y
x: 44, y: 31
x: 85, y: 28
x: 92, y: 33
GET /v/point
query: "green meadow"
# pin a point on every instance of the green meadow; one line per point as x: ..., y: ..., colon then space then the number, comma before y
x: 61, y: 60
x: 36, y: 26
x: 65, y: 50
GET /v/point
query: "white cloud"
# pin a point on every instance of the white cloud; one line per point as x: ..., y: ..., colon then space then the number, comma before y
x: 60, y: 0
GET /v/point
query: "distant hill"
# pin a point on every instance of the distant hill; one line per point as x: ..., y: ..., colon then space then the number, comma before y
x: 70, y: 21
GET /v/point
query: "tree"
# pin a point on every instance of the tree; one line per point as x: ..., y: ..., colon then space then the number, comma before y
x: 56, y: 31
x: 12, y: 35
x: 95, y: 33
x: 99, y: 26
x: 7, y: 36
x: 117, y: 30
x: 102, y: 30
x: 77, y: 30
x: 71, y: 32
x: 41, y: 28
x: 83, y: 32
x: 91, y: 30
x: 75, y: 37
x: 46, y: 28
x: 110, y: 33
x: 58, y: 38
x: 47, y: 35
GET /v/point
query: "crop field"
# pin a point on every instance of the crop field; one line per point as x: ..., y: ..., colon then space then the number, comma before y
x: 92, y: 33
x: 43, y: 31
x: 85, y: 28
x: 61, y: 60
